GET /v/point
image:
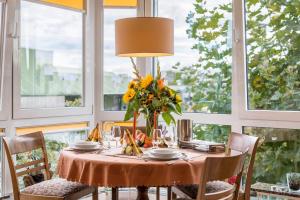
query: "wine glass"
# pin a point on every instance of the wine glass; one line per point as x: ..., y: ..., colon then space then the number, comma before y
x: 116, y: 134
x: 156, y: 137
x: 170, y: 137
x: 106, y: 130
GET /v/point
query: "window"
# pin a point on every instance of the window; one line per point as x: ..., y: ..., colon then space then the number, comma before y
x: 278, y: 155
x: 55, y: 142
x: 57, y: 137
x: 2, y: 13
x: 273, y: 52
x: 201, y: 67
x: 117, y: 70
x: 211, y: 132
x: 50, y: 57
x: 1, y: 162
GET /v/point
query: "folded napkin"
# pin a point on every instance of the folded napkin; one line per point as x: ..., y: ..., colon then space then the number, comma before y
x: 201, y: 145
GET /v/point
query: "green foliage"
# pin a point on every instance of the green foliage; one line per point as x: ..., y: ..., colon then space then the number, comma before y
x: 273, y: 52
x: 150, y: 96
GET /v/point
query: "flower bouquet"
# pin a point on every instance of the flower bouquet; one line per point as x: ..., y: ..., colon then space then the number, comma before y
x: 150, y: 97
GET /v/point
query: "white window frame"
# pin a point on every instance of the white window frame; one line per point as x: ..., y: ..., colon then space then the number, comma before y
x: 88, y: 67
x: 5, y: 57
x: 240, y: 115
x: 142, y: 63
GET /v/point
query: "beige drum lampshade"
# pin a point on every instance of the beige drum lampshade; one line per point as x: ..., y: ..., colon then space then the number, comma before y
x: 144, y: 37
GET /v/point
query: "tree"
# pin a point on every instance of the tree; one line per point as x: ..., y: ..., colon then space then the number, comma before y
x: 273, y: 52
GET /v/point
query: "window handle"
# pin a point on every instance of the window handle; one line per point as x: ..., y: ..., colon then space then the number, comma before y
x: 15, y: 28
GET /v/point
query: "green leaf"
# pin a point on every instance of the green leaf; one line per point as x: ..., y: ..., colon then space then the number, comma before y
x: 129, y: 112
x: 178, y: 107
x: 167, y: 118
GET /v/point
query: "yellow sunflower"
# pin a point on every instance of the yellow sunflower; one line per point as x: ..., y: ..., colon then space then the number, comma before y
x: 178, y: 98
x: 146, y: 81
x: 132, y: 85
x: 128, y: 95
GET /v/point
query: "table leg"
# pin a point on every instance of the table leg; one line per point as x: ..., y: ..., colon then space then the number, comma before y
x: 142, y: 193
x: 115, y: 193
x: 157, y: 193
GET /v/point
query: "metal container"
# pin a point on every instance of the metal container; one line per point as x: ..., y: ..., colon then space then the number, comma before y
x: 184, y: 129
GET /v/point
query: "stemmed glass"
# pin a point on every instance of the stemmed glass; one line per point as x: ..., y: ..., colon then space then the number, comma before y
x: 170, y: 136
x: 116, y: 134
x: 106, y: 130
x: 156, y: 137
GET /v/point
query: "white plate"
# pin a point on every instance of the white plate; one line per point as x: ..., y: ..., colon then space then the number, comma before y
x: 153, y: 157
x: 163, y: 152
x: 86, y: 144
x: 98, y: 147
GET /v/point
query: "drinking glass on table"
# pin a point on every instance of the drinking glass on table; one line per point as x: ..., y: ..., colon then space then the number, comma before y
x: 106, y: 130
x: 170, y: 137
x: 156, y: 137
x: 116, y: 134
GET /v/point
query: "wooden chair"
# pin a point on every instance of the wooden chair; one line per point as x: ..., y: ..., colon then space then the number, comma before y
x: 215, y: 169
x: 242, y: 143
x: 50, y: 189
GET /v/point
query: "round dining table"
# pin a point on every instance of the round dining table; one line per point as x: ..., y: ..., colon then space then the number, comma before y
x: 110, y: 168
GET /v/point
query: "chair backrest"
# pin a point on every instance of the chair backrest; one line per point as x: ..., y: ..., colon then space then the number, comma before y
x: 221, y: 168
x: 242, y: 142
x: 23, y: 144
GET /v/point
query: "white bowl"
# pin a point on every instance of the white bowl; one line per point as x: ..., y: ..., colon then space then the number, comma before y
x: 163, y: 152
x: 86, y: 144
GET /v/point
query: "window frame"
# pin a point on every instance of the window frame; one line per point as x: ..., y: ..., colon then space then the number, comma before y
x: 87, y: 69
x: 242, y: 73
x: 142, y: 63
x: 240, y: 115
x: 3, y: 14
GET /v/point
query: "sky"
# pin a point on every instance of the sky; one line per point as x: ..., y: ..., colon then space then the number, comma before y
x: 53, y: 29
x: 174, y: 9
x: 60, y: 31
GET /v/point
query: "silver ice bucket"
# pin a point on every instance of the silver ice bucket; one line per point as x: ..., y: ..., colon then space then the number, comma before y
x: 184, y: 129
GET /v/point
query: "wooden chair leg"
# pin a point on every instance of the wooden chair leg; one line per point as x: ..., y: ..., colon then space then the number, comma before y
x: 173, y: 194
x: 169, y: 193
x: 95, y: 194
x: 115, y: 193
x: 157, y: 193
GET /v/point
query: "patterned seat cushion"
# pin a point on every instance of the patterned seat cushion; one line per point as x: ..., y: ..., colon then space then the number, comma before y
x: 54, y: 187
x: 211, y: 187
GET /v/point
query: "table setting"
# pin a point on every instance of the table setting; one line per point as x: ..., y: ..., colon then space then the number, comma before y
x: 159, y: 152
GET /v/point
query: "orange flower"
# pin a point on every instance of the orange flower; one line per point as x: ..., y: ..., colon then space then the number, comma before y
x: 150, y: 96
x: 160, y: 83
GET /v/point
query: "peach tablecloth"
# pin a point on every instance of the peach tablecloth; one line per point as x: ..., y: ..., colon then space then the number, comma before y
x: 111, y: 171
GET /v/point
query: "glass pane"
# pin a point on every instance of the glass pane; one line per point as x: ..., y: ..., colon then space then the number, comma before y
x: 1, y: 160
x: 55, y: 142
x: 117, y: 70
x: 278, y: 155
x: 201, y: 66
x: 51, y: 56
x: 211, y: 132
x: 273, y: 54
x: 1, y: 43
